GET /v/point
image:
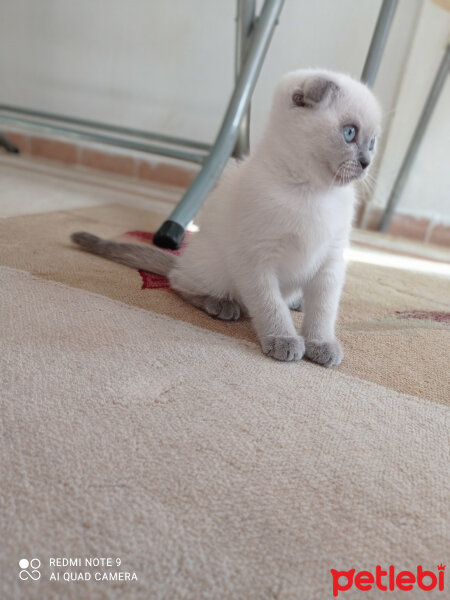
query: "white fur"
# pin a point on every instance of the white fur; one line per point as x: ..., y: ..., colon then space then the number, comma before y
x: 277, y: 222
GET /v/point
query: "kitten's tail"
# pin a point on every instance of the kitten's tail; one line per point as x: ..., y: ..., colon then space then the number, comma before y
x: 147, y: 258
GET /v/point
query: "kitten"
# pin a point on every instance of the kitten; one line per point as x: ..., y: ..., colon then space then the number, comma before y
x: 273, y: 231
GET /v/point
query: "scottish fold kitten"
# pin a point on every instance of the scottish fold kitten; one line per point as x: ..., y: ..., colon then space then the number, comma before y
x: 273, y: 231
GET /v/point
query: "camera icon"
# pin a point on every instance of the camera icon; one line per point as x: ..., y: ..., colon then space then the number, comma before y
x: 29, y: 569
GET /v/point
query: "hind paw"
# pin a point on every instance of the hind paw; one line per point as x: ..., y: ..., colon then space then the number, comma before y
x: 223, y: 308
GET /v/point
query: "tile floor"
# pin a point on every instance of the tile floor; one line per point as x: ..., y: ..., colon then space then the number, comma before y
x: 30, y: 186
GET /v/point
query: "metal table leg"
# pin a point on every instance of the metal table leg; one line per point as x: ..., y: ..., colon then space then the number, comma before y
x: 378, y: 42
x: 246, y: 10
x: 171, y: 233
x: 414, y: 144
x: 373, y: 59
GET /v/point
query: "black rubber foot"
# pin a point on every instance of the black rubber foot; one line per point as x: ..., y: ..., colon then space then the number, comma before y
x: 169, y: 235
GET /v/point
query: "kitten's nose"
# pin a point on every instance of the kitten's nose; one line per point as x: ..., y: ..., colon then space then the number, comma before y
x: 364, y: 162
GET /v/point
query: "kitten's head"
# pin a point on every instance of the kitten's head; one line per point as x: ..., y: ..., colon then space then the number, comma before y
x: 325, y: 124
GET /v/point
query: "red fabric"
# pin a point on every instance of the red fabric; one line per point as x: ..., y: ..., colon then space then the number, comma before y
x: 153, y: 281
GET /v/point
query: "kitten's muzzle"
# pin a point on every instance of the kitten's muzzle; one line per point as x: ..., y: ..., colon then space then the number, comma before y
x: 364, y: 162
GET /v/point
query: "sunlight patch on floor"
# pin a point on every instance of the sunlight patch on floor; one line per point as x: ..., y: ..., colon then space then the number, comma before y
x: 396, y: 261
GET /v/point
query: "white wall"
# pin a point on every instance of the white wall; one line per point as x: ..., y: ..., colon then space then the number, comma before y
x: 158, y: 65
x: 168, y: 65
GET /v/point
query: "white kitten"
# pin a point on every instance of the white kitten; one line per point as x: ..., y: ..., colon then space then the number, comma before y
x: 273, y: 231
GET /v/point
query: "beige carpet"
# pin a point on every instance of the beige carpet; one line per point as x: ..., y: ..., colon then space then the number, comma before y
x: 408, y: 355
x: 134, y: 427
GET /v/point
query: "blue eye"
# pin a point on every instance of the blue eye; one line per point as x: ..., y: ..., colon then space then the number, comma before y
x: 349, y: 133
x: 372, y: 144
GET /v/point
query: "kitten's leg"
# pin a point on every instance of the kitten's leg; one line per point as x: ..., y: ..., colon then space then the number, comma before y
x: 220, y: 308
x: 271, y: 318
x: 321, y: 296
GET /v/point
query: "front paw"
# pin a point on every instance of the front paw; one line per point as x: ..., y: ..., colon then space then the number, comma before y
x: 284, y: 348
x: 328, y: 354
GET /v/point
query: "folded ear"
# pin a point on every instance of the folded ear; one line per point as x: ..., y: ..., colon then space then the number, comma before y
x: 315, y: 91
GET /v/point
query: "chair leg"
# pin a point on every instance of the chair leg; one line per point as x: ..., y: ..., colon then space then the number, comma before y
x: 378, y: 42
x: 373, y: 60
x: 171, y: 233
x: 245, y: 20
x: 427, y: 111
